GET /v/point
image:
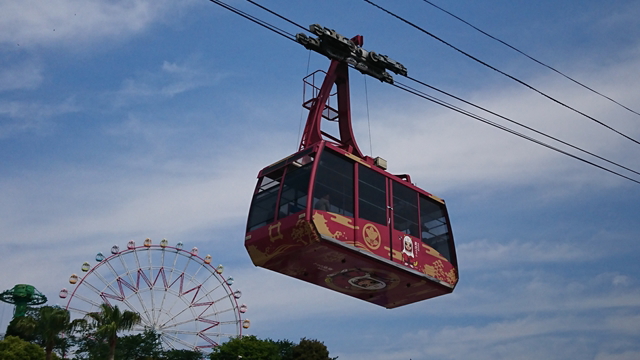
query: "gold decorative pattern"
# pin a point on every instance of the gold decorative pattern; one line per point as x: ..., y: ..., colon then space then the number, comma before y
x: 371, y: 236
x: 343, y: 220
x: 304, y: 233
x: 431, y: 251
x: 277, y: 236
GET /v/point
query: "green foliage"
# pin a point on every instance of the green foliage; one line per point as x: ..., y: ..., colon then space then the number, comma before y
x: 252, y: 348
x: 140, y: 346
x: 89, y: 347
x: 16, y: 329
x: 181, y: 355
x: 144, y: 346
x: 285, y: 349
x: 13, y: 330
x: 44, y: 326
x: 310, y: 350
x: 109, y: 321
x: 249, y: 347
x: 14, y: 348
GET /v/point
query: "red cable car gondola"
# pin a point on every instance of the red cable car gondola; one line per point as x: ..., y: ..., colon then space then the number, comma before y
x: 331, y: 216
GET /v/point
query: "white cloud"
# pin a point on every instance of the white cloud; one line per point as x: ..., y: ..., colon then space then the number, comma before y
x: 135, y: 192
x: 76, y: 22
x: 21, y: 116
x: 170, y: 80
x: 445, y: 150
x: 485, y: 253
x: 22, y: 76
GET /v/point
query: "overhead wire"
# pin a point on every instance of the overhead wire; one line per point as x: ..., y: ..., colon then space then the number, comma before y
x: 254, y: 19
x: 522, y: 125
x: 448, y: 105
x: 501, y: 72
x: 502, y: 127
x: 531, y: 57
x: 278, y: 15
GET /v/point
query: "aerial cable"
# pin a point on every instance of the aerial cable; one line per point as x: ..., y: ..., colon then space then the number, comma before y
x: 302, y: 108
x: 531, y: 57
x: 450, y: 106
x: 502, y: 127
x: 278, y: 15
x: 522, y: 125
x: 366, y: 96
x: 502, y: 72
x: 262, y: 23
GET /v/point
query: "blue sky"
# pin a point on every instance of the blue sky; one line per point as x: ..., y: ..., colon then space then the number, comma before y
x: 127, y: 119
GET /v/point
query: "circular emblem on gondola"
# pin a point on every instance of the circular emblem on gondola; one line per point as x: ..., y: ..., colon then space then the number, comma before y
x: 357, y: 280
x: 371, y: 236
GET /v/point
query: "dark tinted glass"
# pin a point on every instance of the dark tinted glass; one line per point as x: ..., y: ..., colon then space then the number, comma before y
x: 435, y: 231
x: 372, y: 195
x: 294, y: 190
x: 263, y: 206
x: 405, y: 209
x: 333, y: 190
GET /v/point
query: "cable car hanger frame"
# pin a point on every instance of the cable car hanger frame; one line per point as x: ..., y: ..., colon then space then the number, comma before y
x: 333, y: 217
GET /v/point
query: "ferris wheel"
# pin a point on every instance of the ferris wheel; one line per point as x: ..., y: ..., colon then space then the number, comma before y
x: 178, y: 294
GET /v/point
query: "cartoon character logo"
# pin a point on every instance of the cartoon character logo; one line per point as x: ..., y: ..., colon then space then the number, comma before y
x: 408, y: 256
x: 371, y: 236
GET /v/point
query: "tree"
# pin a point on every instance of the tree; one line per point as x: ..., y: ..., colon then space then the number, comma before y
x: 139, y: 346
x: 109, y: 321
x: 14, y: 348
x: 310, y: 350
x: 252, y: 348
x: 285, y: 349
x: 14, y: 330
x: 175, y: 354
x: 249, y: 347
x: 44, y: 327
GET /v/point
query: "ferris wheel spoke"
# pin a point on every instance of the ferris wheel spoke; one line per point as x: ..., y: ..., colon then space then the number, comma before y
x: 219, y: 335
x: 212, y: 290
x: 106, y: 282
x: 164, y: 298
x: 152, y: 293
x: 125, y: 267
x: 194, y: 275
x: 91, y: 287
x: 182, y: 332
x: 165, y: 340
x: 177, y: 324
x: 127, y: 272
x: 164, y: 293
x: 217, y: 313
x: 228, y: 296
x: 138, y: 270
x: 137, y: 283
x: 79, y: 311
x: 178, y: 299
x: 87, y: 300
x: 176, y: 292
x: 178, y: 340
x: 229, y: 322
x: 173, y: 267
x: 208, y: 303
x: 176, y: 316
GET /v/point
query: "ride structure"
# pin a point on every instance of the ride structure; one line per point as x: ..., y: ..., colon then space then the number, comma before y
x: 334, y: 217
x: 22, y: 296
x: 179, y: 295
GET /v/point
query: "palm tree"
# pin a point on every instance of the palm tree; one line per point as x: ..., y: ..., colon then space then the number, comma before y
x: 47, y: 325
x: 109, y: 321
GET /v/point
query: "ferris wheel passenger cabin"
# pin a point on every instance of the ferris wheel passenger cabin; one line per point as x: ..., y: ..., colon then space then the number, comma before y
x: 334, y: 217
